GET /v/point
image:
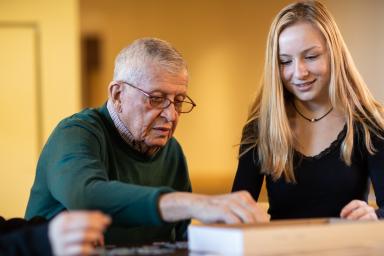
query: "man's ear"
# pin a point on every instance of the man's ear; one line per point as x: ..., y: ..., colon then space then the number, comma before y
x: 115, y: 93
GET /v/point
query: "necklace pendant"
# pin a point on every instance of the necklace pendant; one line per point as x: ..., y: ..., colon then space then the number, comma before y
x: 312, y: 120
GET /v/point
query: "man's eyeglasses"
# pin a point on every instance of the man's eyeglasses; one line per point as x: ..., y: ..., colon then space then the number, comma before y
x: 181, y: 106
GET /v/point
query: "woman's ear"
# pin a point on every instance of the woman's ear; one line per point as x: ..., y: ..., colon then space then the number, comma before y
x: 115, y: 93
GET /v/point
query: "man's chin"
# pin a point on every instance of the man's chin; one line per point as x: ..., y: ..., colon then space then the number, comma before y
x: 158, y: 142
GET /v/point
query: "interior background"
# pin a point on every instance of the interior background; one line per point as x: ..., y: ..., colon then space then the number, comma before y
x: 64, y: 51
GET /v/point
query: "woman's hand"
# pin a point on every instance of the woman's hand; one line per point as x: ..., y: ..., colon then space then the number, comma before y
x: 358, y: 210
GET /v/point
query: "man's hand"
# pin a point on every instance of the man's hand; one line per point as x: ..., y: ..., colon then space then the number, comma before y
x: 238, y: 207
x: 358, y: 210
x: 77, y: 233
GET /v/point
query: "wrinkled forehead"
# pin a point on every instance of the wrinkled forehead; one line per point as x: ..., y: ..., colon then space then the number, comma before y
x: 161, y: 79
x: 158, y: 72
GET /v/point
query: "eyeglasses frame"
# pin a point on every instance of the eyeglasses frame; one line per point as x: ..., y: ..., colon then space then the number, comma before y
x: 147, y: 94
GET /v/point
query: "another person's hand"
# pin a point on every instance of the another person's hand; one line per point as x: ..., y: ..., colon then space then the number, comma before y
x: 358, y: 210
x: 77, y: 232
x: 238, y: 207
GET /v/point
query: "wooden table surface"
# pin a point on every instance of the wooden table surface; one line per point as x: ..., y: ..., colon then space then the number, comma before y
x: 167, y: 250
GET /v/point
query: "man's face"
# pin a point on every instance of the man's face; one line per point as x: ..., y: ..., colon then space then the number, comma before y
x: 152, y: 126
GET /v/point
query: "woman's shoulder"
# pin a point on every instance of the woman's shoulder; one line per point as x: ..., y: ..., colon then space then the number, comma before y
x: 249, y: 136
x: 250, y: 129
x: 373, y: 133
x: 374, y: 130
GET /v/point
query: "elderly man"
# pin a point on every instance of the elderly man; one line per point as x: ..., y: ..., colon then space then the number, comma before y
x: 122, y: 159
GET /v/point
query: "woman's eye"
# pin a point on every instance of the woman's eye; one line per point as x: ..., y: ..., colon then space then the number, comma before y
x: 285, y: 62
x: 312, y: 57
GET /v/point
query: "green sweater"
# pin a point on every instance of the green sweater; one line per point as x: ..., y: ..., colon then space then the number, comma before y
x: 85, y: 164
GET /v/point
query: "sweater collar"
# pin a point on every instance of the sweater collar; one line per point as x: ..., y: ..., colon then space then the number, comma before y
x: 126, y: 134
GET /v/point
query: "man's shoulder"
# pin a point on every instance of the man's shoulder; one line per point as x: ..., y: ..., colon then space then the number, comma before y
x: 172, y: 148
x: 88, y: 122
x: 174, y: 144
x: 87, y: 118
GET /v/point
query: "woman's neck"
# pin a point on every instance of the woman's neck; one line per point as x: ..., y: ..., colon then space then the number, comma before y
x: 312, y: 108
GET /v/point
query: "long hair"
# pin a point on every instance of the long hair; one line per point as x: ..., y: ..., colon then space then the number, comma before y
x: 271, y: 135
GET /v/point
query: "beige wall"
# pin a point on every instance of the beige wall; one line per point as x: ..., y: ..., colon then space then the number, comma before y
x: 40, y: 84
x: 223, y: 42
x: 362, y: 25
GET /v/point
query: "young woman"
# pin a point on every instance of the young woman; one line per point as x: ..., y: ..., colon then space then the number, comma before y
x: 314, y: 131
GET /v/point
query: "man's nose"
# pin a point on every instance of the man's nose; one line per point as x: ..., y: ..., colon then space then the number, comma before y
x: 170, y: 113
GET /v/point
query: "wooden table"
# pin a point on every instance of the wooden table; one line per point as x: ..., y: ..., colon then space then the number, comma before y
x: 163, y: 249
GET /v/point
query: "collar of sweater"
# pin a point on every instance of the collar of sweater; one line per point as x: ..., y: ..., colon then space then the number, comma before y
x: 126, y: 134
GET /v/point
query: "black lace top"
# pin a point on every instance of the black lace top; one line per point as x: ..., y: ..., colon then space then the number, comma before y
x: 324, y: 183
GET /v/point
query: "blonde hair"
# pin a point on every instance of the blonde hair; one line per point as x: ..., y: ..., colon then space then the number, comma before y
x: 273, y: 136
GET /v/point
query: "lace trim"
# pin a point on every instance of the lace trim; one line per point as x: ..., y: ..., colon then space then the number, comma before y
x: 329, y: 149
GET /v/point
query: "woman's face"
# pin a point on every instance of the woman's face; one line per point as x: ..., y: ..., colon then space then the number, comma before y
x: 304, y: 62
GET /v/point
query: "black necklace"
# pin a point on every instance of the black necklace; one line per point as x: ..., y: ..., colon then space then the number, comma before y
x: 312, y: 120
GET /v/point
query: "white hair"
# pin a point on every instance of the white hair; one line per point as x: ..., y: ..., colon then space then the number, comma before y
x: 135, y: 62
